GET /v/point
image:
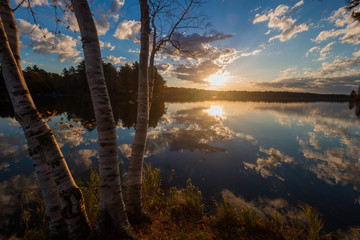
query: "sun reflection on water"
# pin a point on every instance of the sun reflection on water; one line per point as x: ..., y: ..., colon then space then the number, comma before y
x: 215, y: 111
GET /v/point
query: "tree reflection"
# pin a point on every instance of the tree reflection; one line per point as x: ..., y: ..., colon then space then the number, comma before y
x: 80, y: 108
x: 356, y: 106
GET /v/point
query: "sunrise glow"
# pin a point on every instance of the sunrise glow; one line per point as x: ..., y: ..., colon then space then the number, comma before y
x: 218, y: 79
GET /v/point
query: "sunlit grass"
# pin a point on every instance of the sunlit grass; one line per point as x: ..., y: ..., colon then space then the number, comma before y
x: 180, y: 214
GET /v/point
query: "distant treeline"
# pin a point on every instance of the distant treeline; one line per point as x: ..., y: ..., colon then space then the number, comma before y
x: 173, y: 94
x: 122, y: 84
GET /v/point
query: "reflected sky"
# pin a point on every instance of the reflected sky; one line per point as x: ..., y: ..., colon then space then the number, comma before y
x: 263, y: 155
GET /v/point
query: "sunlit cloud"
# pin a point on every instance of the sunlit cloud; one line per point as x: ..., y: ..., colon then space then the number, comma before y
x: 278, y: 20
x: 125, y: 149
x: 265, y: 166
x: 215, y: 111
x: 348, y: 29
x: 44, y: 42
x: 77, y: 59
x: 338, y: 76
x: 127, y: 30
x: 115, y: 60
x: 325, y: 51
x: 33, y: 2
x: 312, y: 50
x: 107, y: 45
x: 252, y: 53
x: 218, y: 79
x: 103, y: 21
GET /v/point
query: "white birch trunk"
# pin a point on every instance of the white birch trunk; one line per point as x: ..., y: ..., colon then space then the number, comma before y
x: 112, y: 222
x: 151, y: 63
x: 151, y: 76
x: 134, y: 178
x: 57, y: 225
x: 73, y: 209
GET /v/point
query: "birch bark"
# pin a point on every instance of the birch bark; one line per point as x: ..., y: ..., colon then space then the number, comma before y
x: 134, y: 179
x: 73, y: 209
x: 112, y: 221
x: 57, y: 225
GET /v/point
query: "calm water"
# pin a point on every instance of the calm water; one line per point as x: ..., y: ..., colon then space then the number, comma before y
x: 264, y: 155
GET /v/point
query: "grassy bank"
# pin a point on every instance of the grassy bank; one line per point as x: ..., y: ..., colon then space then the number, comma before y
x: 180, y: 214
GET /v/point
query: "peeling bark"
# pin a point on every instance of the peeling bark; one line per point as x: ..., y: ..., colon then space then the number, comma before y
x: 57, y: 225
x: 112, y: 221
x: 39, y: 133
x: 134, y: 179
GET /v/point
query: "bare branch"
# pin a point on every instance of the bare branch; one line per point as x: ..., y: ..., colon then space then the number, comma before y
x: 19, y: 5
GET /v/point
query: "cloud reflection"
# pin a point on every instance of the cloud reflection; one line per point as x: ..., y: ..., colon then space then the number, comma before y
x: 264, y: 206
x: 196, y: 129
x: 12, y: 149
x: 10, y: 193
x: 265, y: 166
x: 329, y: 143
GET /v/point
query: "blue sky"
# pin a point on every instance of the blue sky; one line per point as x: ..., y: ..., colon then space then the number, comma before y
x: 286, y: 45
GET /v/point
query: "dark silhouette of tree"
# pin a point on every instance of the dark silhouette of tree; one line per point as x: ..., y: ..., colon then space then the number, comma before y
x: 351, y: 5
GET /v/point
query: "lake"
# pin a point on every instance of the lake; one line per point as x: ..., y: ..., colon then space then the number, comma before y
x: 263, y: 155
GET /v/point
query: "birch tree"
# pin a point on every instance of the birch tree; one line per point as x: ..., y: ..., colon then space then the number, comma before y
x: 57, y: 225
x: 41, y: 140
x: 168, y: 18
x: 134, y: 178
x: 187, y: 19
x: 112, y: 222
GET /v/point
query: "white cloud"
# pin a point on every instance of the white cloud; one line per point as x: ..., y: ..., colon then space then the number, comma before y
x: 265, y: 166
x: 311, y: 50
x: 71, y: 21
x: 46, y: 43
x: 164, y: 68
x: 134, y: 50
x: 288, y: 72
x: 338, y: 65
x: 298, y: 4
x: 278, y: 20
x: 33, y: 2
x: 115, y: 60
x: 252, y: 53
x: 325, y: 51
x: 77, y: 59
x: 350, y: 31
x: 103, y: 21
x: 125, y: 149
x: 107, y: 45
x: 128, y: 30
x: 82, y: 158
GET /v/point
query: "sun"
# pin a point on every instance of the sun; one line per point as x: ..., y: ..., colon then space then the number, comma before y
x: 218, y: 79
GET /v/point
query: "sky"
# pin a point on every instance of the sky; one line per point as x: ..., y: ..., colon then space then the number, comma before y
x: 260, y: 45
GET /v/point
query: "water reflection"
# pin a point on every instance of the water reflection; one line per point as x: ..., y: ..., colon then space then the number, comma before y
x: 11, y: 191
x: 195, y: 129
x: 215, y: 111
x: 265, y: 165
x: 264, y: 155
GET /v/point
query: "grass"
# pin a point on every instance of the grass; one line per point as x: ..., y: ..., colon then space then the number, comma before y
x: 180, y: 214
